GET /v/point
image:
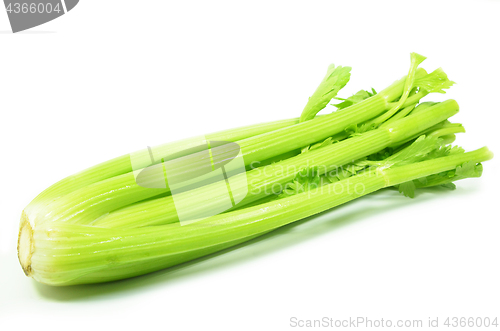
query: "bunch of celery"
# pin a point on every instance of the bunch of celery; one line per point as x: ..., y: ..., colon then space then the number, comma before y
x: 102, y: 224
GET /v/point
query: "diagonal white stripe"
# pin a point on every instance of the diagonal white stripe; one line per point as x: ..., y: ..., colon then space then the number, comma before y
x: 64, y: 6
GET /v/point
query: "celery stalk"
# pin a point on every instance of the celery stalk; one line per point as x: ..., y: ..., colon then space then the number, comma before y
x: 121, y: 165
x: 263, y: 181
x: 69, y: 254
x: 110, y: 194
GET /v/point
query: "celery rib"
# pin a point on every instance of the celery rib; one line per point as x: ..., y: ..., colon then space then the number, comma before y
x: 162, y: 210
x: 121, y: 165
x: 110, y: 254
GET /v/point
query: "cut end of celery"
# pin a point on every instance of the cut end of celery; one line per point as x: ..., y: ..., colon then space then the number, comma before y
x: 25, y: 245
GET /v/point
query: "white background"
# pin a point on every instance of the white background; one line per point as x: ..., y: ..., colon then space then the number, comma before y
x: 111, y: 77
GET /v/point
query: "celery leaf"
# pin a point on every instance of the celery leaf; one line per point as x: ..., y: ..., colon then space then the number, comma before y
x: 443, y: 179
x: 435, y: 82
x: 336, y: 78
x: 305, y: 180
x: 408, y: 189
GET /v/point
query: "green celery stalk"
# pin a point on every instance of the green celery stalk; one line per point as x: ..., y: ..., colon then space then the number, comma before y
x: 121, y: 165
x: 267, y: 180
x: 66, y: 254
x: 416, y: 60
x: 116, y: 192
